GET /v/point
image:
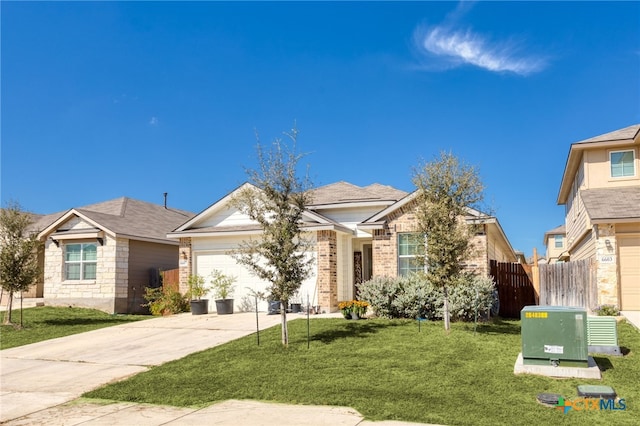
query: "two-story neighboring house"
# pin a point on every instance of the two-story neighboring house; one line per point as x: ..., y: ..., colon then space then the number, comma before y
x: 555, y: 240
x: 601, y: 192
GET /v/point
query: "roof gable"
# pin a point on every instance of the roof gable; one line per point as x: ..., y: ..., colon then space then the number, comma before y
x: 618, y: 138
x: 124, y: 217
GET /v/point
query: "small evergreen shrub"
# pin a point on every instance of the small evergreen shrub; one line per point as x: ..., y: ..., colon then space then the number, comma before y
x: 414, y: 296
x: 165, y: 302
x: 380, y: 292
x: 607, y: 311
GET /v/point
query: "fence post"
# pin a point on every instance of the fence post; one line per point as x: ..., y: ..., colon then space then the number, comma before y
x: 535, y: 277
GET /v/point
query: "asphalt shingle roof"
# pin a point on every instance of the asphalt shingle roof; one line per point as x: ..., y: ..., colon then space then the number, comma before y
x: 612, y: 203
x: 621, y: 134
x: 345, y: 192
x: 126, y: 216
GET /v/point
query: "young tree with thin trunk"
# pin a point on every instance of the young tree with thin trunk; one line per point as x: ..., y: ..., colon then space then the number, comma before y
x: 446, y: 189
x: 277, y: 202
x: 18, y: 253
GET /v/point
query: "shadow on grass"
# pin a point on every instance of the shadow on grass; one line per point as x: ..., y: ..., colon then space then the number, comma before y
x: 604, y: 364
x: 84, y: 321
x: 498, y: 325
x: 360, y: 329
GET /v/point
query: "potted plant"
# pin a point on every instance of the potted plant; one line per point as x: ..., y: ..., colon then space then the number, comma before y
x: 223, y: 287
x: 197, y: 289
x: 296, y: 303
x: 353, y: 309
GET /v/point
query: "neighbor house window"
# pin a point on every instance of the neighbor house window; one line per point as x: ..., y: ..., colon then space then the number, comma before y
x: 410, y: 249
x: 622, y: 163
x: 558, y: 241
x: 81, y: 261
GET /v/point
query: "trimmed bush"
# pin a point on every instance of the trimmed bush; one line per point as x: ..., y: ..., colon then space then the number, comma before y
x: 414, y: 296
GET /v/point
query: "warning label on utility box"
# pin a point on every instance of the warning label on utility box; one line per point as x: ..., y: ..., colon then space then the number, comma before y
x: 553, y: 349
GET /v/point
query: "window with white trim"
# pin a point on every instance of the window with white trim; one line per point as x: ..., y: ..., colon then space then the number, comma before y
x: 558, y: 241
x: 622, y: 163
x: 410, y: 249
x: 81, y: 261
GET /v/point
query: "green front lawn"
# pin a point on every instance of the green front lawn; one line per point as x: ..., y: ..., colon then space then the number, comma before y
x: 387, y: 370
x: 43, y: 323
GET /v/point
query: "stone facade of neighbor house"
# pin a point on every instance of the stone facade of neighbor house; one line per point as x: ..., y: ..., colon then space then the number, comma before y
x: 600, y: 190
x: 104, y: 255
x: 357, y: 232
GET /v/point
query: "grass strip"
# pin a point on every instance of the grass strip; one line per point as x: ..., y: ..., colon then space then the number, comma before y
x: 48, y: 322
x: 387, y: 370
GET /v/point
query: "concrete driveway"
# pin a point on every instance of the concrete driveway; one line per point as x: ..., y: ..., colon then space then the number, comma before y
x: 49, y: 373
x: 41, y: 382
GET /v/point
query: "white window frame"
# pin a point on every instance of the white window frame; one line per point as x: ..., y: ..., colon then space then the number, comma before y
x: 82, y: 262
x: 558, y: 239
x: 412, y: 257
x: 633, y: 164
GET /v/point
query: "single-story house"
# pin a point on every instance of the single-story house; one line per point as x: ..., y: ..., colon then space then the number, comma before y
x: 600, y: 190
x: 357, y: 233
x: 104, y: 255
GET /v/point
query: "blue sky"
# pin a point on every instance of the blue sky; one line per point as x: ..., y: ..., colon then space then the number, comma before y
x: 108, y: 99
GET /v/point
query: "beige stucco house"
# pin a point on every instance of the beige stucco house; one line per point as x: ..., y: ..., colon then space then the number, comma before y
x: 601, y: 192
x: 103, y: 255
x: 555, y: 241
x: 357, y: 233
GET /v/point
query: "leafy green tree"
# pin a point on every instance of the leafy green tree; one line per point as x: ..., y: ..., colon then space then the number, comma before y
x: 18, y: 253
x: 276, y: 200
x: 446, y: 189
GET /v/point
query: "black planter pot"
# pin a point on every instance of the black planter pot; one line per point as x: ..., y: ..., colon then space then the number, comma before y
x: 224, y: 306
x: 199, y: 307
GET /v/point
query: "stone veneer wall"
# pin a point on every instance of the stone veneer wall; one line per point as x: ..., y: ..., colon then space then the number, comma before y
x: 185, y: 262
x: 327, y: 270
x: 108, y: 292
x: 606, y: 272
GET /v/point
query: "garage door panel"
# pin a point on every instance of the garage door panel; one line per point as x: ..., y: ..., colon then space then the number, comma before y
x: 629, y: 252
x: 207, y: 262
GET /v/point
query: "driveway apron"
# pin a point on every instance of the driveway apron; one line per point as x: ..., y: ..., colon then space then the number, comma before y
x: 46, y: 374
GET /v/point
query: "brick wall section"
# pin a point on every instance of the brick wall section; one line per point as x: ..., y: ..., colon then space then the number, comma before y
x: 327, y: 270
x: 478, y: 261
x: 606, y: 273
x: 185, y: 265
x: 385, y: 245
x: 385, y: 241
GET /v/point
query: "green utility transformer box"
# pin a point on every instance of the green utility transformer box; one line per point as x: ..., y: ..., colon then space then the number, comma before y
x: 554, y: 335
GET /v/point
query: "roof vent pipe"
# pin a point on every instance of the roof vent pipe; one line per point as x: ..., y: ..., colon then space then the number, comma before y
x: 165, y: 199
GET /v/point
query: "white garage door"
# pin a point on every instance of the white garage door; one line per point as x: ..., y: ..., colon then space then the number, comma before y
x: 629, y: 251
x: 206, y: 262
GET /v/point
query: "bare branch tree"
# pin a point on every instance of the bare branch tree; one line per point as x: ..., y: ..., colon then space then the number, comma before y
x: 277, y: 200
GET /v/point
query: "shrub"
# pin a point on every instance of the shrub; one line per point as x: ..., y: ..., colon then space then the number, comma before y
x: 165, y: 301
x: 607, y: 311
x: 380, y: 292
x: 414, y: 296
x: 472, y: 294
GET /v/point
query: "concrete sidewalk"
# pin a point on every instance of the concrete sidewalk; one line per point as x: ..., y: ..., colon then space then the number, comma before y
x: 40, y: 381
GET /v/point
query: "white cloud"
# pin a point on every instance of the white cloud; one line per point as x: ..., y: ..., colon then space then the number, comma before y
x: 153, y: 121
x: 465, y: 47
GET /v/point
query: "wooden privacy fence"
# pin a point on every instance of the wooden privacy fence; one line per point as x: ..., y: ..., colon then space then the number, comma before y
x: 515, y: 289
x: 171, y: 278
x: 569, y: 284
